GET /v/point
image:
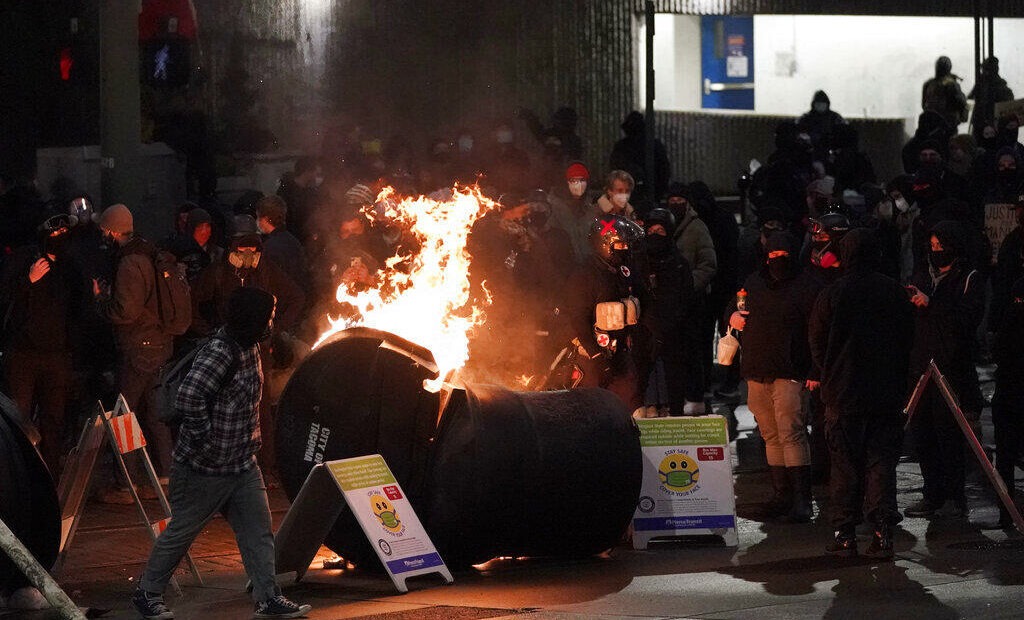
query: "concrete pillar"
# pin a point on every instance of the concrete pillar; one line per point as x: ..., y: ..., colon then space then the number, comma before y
x: 120, y: 115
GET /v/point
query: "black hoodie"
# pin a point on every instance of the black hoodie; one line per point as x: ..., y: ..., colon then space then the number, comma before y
x: 860, y: 334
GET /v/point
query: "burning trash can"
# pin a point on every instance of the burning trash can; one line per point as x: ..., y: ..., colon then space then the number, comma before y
x: 491, y: 472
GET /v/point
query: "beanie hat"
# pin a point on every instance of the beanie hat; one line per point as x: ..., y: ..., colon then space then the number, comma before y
x: 677, y: 190
x: 359, y: 195
x: 246, y: 233
x: 577, y: 170
x: 117, y: 219
x: 198, y: 216
x: 249, y: 311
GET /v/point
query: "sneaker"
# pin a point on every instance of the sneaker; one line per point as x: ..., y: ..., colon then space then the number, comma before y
x: 844, y: 545
x: 281, y: 607
x: 151, y: 606
x: 922, y: 508
x: 881, y: 543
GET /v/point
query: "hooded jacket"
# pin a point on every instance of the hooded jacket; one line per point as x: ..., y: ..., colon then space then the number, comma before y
x: 775, y: 337
x: 850, y: 319
x: 944, y: 329
x: 694, y: 242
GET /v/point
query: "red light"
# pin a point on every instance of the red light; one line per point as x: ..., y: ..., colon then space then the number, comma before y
x: 66, y: 62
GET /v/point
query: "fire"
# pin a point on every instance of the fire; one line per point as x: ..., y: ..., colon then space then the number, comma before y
x: 428, y: 301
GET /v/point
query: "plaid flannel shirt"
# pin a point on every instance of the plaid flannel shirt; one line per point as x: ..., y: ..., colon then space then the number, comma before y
x: 220, y: 432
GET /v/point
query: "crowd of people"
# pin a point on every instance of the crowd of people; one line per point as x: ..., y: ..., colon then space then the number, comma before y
x: 851, y: 285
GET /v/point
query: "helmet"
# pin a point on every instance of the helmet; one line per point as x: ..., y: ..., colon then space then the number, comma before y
x: 826, y: 231
x: 613, y: 237
x: 80, y: 210
x: 661, y: 216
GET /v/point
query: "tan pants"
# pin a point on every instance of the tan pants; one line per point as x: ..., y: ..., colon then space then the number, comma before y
x: 778, y: 409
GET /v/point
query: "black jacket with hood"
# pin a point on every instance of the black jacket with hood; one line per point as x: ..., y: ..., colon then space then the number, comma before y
x: 860, y: 334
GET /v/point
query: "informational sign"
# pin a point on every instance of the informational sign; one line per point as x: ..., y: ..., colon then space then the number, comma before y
x: 1000, y: 219
x: 687, y: 483
x: 379, y: 504
x: 1010, y: 108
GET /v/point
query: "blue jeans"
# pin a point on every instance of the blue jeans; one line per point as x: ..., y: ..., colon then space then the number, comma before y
x: 195, y: 499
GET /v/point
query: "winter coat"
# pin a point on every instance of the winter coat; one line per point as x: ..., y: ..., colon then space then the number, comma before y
x: 695, y: 244
x: 132, y: 308
x: 42, y: 314
x: 775, y: 337
x: 1007, y: 349
x: 1009, y: 269
x: 210, y: 295
x: 944, y: 329
x: 850, y: 321
x: 282, y: 247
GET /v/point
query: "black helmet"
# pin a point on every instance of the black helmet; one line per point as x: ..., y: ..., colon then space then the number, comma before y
x: 826, y: 231
x: 660, y: 215
x: 613, y: 237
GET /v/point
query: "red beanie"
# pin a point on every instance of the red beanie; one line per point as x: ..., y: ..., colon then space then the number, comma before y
x: 577, y: 170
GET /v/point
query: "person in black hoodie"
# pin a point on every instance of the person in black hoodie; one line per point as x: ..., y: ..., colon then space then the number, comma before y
x: 776, y: 364
x: 667, y: 317
x: 1008, y: 401
x: 47, y: 297
x: 862, y: 387
x: 950, y: 300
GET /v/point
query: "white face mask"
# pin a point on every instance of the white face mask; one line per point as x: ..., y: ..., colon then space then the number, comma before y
x: 577, y: 188
x: 901, y: 204
x: 504, y: 137
x: 465, y: 144
x: 620, y: 200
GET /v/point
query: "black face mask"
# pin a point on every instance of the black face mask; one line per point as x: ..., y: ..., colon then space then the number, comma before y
x: 658, y: 245
x: 941, y: 259
x: 1007, y: 176
x: 57, y: 246
x: 779, y: 268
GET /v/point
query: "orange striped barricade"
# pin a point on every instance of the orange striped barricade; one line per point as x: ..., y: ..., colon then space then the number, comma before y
x: 125, y: 434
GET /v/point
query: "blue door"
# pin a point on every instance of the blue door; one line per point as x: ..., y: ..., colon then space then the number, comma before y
x: 727, y: 62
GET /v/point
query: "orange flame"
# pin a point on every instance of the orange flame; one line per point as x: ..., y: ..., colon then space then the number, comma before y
x: 428, y: 303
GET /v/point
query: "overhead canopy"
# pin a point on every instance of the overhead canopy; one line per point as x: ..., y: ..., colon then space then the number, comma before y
x: 931, y: 8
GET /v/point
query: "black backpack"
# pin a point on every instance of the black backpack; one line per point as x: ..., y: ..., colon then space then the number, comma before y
x: 173, y: 295
x: 173, y: 374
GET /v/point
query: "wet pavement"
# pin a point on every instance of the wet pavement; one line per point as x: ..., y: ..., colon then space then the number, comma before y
x: 949, y: 568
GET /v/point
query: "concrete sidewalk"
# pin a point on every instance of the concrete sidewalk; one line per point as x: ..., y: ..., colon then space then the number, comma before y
x: 943, y: 569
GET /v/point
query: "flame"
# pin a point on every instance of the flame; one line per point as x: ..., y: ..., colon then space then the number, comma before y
x: 427, y: 301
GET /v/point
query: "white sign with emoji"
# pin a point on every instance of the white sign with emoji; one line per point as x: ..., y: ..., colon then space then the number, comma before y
x: 687, y: 485
x: 386, y: 516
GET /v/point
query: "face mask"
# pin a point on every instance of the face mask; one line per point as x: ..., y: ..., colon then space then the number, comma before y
x: 389, y: 519
x: 940, y: 259
x: 678, y: 478
x: 778, y: 268
x: 504, y: 137
x: 318, y: 181
x: 247, y: 259
x: 465, y: 144
x: 901, y: 204
x: 884, y: 210
x: 620, y: 200
x: 577, y: 188
x: 658, y: 245
x: 57, y: 246
x: 820, y: 106
x: 1007, y: 175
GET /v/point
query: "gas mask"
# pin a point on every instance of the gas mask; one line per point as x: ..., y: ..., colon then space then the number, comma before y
x: 822, y: 255
x: 577, y: 188
x: 244, y: 259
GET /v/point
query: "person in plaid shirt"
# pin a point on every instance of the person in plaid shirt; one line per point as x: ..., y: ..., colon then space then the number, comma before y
x: 215, y: 469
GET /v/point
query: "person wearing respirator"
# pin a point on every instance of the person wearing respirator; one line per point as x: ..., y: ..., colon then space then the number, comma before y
x: 617, y: 189
x: 573, y: 209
